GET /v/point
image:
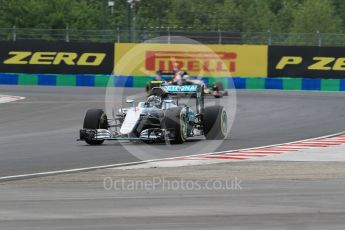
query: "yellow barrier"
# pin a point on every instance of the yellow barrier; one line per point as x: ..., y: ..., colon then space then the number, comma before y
x: 202, y: 60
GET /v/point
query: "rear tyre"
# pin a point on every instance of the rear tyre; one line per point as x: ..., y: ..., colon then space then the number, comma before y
x: 95, y: 119
x: 215, y: 122
x: 218, y: 87
x: 148, y: 88
x: 174, y: 119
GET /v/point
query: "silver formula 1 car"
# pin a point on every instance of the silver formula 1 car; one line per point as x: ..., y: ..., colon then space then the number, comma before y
x: 161, y: 118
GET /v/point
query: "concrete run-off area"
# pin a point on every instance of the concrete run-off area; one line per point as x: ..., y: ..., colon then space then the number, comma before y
x: 236, y: 195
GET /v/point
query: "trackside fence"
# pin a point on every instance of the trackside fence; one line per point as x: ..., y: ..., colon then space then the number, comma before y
x: 171, y: 35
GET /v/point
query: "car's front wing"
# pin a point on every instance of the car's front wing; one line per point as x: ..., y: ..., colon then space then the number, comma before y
x: 104, y: 134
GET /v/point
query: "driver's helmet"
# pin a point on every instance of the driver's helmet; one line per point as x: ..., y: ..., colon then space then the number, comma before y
x: 158, y: 76
x: 178, y: 78
x: 154, y: 101
x: 186, y: 77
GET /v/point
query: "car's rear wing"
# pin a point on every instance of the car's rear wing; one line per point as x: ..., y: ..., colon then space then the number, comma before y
x: 178, y: 91
x: 185, y: 89
x: 165, y: 89
x: 170, y: 72
x: 166, y: 72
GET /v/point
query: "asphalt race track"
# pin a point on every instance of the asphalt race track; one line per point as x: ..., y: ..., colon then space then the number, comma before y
x: 39, y: 133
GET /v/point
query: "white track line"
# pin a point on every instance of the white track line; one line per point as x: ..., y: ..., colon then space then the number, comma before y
x: 50, y: 173
x: 9, y: 98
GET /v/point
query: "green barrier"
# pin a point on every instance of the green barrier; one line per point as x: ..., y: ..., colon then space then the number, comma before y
x: 330, y: 85
x: 27, y: 79
x: 65, y: 80
x: 254, y: 83
x: 292, y: 84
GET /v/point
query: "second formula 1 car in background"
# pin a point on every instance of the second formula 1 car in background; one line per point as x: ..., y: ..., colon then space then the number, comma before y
x: 181, y: 77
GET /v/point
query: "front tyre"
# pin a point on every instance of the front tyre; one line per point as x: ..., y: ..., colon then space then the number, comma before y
x: 95, y: 119
x: 215, y: 122
x: 175, y: 119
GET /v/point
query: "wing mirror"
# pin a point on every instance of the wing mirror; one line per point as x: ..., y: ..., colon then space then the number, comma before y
x: 130, y: 101
x: 167, y: 103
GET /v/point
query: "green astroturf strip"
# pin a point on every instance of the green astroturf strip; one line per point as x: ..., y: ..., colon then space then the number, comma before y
x: 65, y: 80
x: 292, y: 83
x: 27, y: 79
x: 330, y: 85
x: 255, y: 83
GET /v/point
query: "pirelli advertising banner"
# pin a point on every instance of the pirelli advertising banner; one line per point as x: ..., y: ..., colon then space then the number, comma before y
x: 306, y: 62
x: 202, y: 60
x: 56, y: 57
